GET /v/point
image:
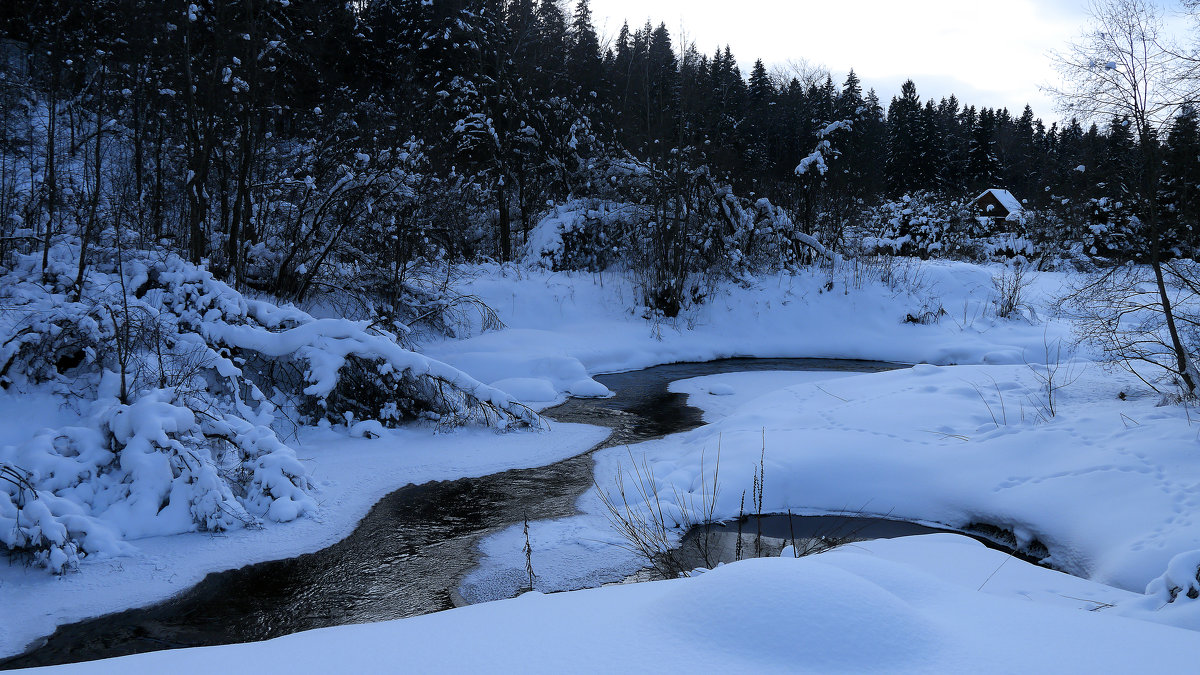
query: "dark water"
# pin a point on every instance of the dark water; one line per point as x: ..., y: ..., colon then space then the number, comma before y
x: 707, y: 545
x: 408, y: 554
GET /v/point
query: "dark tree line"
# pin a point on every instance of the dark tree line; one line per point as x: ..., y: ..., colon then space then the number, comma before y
x: 278, y: 140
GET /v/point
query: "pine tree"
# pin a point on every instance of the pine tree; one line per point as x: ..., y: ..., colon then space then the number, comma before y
x: 930, y: 149
x: 762, y: 123
x: 983, y: 165
x: 1113, y: 210
x: 904, y: 138
x: 1020, y: 169
x: 1180, y: 193
x: 952, y: 168
x: 552, y: 48
x: 662, y: 79
x: 584, y: 67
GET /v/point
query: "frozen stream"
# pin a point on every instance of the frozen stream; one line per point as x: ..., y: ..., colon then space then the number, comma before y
x: 410, y: 551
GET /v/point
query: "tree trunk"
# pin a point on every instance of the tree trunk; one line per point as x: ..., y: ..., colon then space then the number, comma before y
x: 197, y: 202
x: 241, y: 200
x: 94, y: 203
x: 505, y: 221
x: 1183, y: 364
x: 51, y: 174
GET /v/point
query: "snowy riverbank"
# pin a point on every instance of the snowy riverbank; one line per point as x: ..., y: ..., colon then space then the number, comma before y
x: 1107, y: 484
x: 937, y: 603
x: 351, y: 474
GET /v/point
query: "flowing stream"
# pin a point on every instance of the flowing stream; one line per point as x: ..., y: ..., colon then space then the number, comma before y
x: 407, y: 556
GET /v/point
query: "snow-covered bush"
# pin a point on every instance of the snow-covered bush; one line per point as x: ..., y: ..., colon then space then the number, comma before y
x: 583, y: 234
x: 53, y: 531
x: 1180, y: 582
x: 922, y: 224
x: 185, y: 378
x: 676, y: 230
x: 927, y: 225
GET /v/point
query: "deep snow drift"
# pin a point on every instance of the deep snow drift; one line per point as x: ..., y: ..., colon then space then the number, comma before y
x: 937, y: 603
x: 349, y: 475
x: 1107, y: 484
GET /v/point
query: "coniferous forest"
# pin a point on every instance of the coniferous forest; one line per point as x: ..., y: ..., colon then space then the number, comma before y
x: 295, y: 145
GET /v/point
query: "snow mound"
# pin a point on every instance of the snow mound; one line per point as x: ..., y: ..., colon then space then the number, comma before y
x: 185, y: 378
x: 861, y: 609
x: 530, y: 389
x: 367, y: 429
x: 815, y: 607
x: 1181, y: 580
x: 588, y: 388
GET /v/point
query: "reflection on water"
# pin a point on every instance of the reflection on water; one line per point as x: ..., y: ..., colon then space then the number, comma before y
x: 407, y: 555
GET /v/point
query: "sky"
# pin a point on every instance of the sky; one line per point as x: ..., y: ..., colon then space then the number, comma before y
x: 993, y: 54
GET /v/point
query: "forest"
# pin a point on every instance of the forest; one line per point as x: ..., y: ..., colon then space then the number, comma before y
x: 281, y: 143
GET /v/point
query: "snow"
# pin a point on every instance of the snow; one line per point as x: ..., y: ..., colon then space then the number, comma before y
x: 185, y: 436
x: 1006, y: 198
x: 35, y: 411
x: 719, y: 395
x: 562, y: 326
x: 938, y: 445
x: 527, y: 389
x: 814, y: 160
x: 349, y: 474
x: 588, y: 388
x: 947, y: 444
x: 938, y: 603
x: 1108, y: 485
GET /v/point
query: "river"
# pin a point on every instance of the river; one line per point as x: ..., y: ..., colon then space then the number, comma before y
x: 407, y: 556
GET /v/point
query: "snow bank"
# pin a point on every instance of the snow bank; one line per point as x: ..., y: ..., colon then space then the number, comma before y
x: 566, y: 325
x: 1107, y: 486
x: 182, y: 378
x: 720, y: 395
x: 349, y: 475
x: 871, y: 607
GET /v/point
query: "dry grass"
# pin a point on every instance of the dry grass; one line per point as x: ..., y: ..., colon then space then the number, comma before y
x: 650, y: 526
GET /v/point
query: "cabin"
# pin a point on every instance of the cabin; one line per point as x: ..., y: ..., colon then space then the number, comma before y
x: 997, y: 205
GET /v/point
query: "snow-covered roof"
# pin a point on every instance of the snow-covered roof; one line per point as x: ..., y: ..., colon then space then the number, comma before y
x: 1005, y: 198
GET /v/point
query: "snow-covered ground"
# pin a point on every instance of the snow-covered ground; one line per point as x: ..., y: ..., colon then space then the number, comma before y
x: 563, y: 325
x: 1108, y: 484
x: 937, y: 603
x: 717, y: 396
x: 351, y: 475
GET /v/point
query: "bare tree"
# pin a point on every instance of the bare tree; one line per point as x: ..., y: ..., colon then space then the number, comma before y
x: 1121, y: 67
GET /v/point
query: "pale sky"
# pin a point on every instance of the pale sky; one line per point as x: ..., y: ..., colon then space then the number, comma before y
x: 992, y: 54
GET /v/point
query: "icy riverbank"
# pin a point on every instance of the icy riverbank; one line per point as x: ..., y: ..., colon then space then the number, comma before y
x: 351, y: 474
x: 1107, y: 484
x: 936, y: 603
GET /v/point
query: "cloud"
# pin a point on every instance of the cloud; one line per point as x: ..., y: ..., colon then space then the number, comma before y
x: 988, y: 54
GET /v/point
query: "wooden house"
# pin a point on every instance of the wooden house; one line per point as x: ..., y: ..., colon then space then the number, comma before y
x: 997, y: 205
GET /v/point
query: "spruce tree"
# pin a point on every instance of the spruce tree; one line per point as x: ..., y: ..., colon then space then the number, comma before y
x: 583, y: 57
x: 1180, y: 194
x: 904, y: 138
